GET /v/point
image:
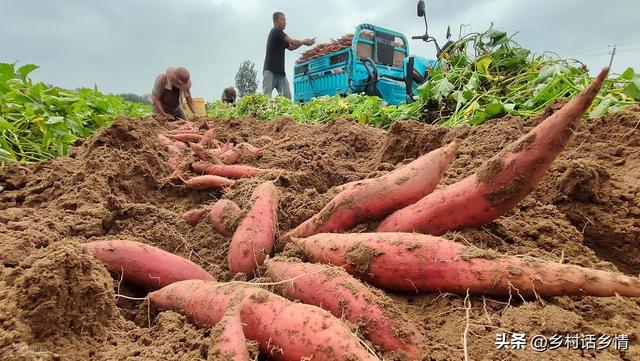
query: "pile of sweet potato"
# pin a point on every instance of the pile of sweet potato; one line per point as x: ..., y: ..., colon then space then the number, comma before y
x: 204, y: 154
x: 326, y: 48
x: 405, y: 253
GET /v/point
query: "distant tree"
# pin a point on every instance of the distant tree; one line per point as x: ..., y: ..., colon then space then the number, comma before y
x: 135, y: 98
x: 246, y: 78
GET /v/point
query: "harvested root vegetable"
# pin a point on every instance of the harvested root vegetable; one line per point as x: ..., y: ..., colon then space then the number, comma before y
x: 199, y: 151
x: 170, y: 144
x: 231, y: 156
x: 255, y: 235
x: 205, y: 182
x: 143, y: 265
x: 376, y: 198
x: 227, y: 337
x: 208, y: 138
x: 220, y: 151
x: 344, y: 296
x: 413, y: 262
x: 284, y: 330
x: 345, y: 186
x: 164, y: 141
x: 223, y: 216
x: 231, y: 171
x: 186, y: 137
x: 194, y: 216
x: 501, y: 182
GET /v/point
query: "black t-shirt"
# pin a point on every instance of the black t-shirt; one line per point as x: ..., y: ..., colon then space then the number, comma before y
x: 274, y: 60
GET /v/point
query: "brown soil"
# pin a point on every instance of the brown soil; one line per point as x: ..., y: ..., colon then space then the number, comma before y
x: 59, y: 304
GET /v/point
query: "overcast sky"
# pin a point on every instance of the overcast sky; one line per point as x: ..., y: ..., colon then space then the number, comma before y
x: 121, y: 45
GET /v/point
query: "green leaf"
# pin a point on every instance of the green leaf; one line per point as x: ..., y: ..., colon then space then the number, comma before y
x: 459, y: 97
x: 482, y: 65
x: 473, y: 83
x: 601, y: 109
x: 478, y: 118
x: 25, y: 70
x: 510, y: 107
x: 5, y: 125
x: 494, y: 109
x: 442, y: 88
x: 632, y: 90
x: 54, y: 120
x: 6, y: 72
x: 497, y: 37
x: 628, y: 74
x: 551, y: 71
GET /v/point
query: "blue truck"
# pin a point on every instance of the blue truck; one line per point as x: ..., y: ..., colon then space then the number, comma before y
x: 378, y: 62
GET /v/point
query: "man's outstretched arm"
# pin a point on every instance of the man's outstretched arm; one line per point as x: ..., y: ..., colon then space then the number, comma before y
x: 295, y: 44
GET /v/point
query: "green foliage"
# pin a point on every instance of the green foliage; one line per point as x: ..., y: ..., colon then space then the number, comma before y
x: 488, y: 75
x: 362, y: 108
x: 246, y: 78
x: 38, y: 121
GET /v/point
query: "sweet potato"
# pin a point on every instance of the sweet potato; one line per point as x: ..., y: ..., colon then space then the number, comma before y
x: 199, y: 151
x: 231, y: 156
x: 414, y: 262
x: 186, y: 137
x: 345, y: 186
x: 376, y: 198
x: 254, y: 237
x: 208, y: 138
x: 143, y: 265
x: 283, y: 329
x: 204, y: 182
x: 194, y: 216
x: 344, y: 296
x: 501, y: 182
x: 227, y: 338
x: 231, y: 171
x: 223, y: 215
x: 164, y: 141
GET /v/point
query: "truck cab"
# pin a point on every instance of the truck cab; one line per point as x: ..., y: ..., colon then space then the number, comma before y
x: 378, y: 62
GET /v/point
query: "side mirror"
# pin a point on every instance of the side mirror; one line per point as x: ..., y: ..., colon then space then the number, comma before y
x: 421, y: 8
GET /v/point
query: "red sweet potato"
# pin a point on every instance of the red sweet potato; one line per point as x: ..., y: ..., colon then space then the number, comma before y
x: 208, y: 138
x: 194, y: 216
x: 164, y: 141
x: 144, y: 265
x: 414, y: 262
x: 204, y: 182
x: 231, y: 156
x: 230, y: 171
x: 186, y: 137
x: 501, y: 182
x: 220, y: 151
x: 254, y: 237
x: 223, y: 215
x: 283, y: 329
x: 227, y: 338
x: 344, y: 296
x: 376, y: 198
x: 199, y: 151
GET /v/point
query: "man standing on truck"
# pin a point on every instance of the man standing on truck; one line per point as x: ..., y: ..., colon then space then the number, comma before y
x: 169, y: 90
x: 273, y: 74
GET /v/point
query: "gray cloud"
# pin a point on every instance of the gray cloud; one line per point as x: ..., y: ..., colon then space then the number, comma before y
x: 122, y: 45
